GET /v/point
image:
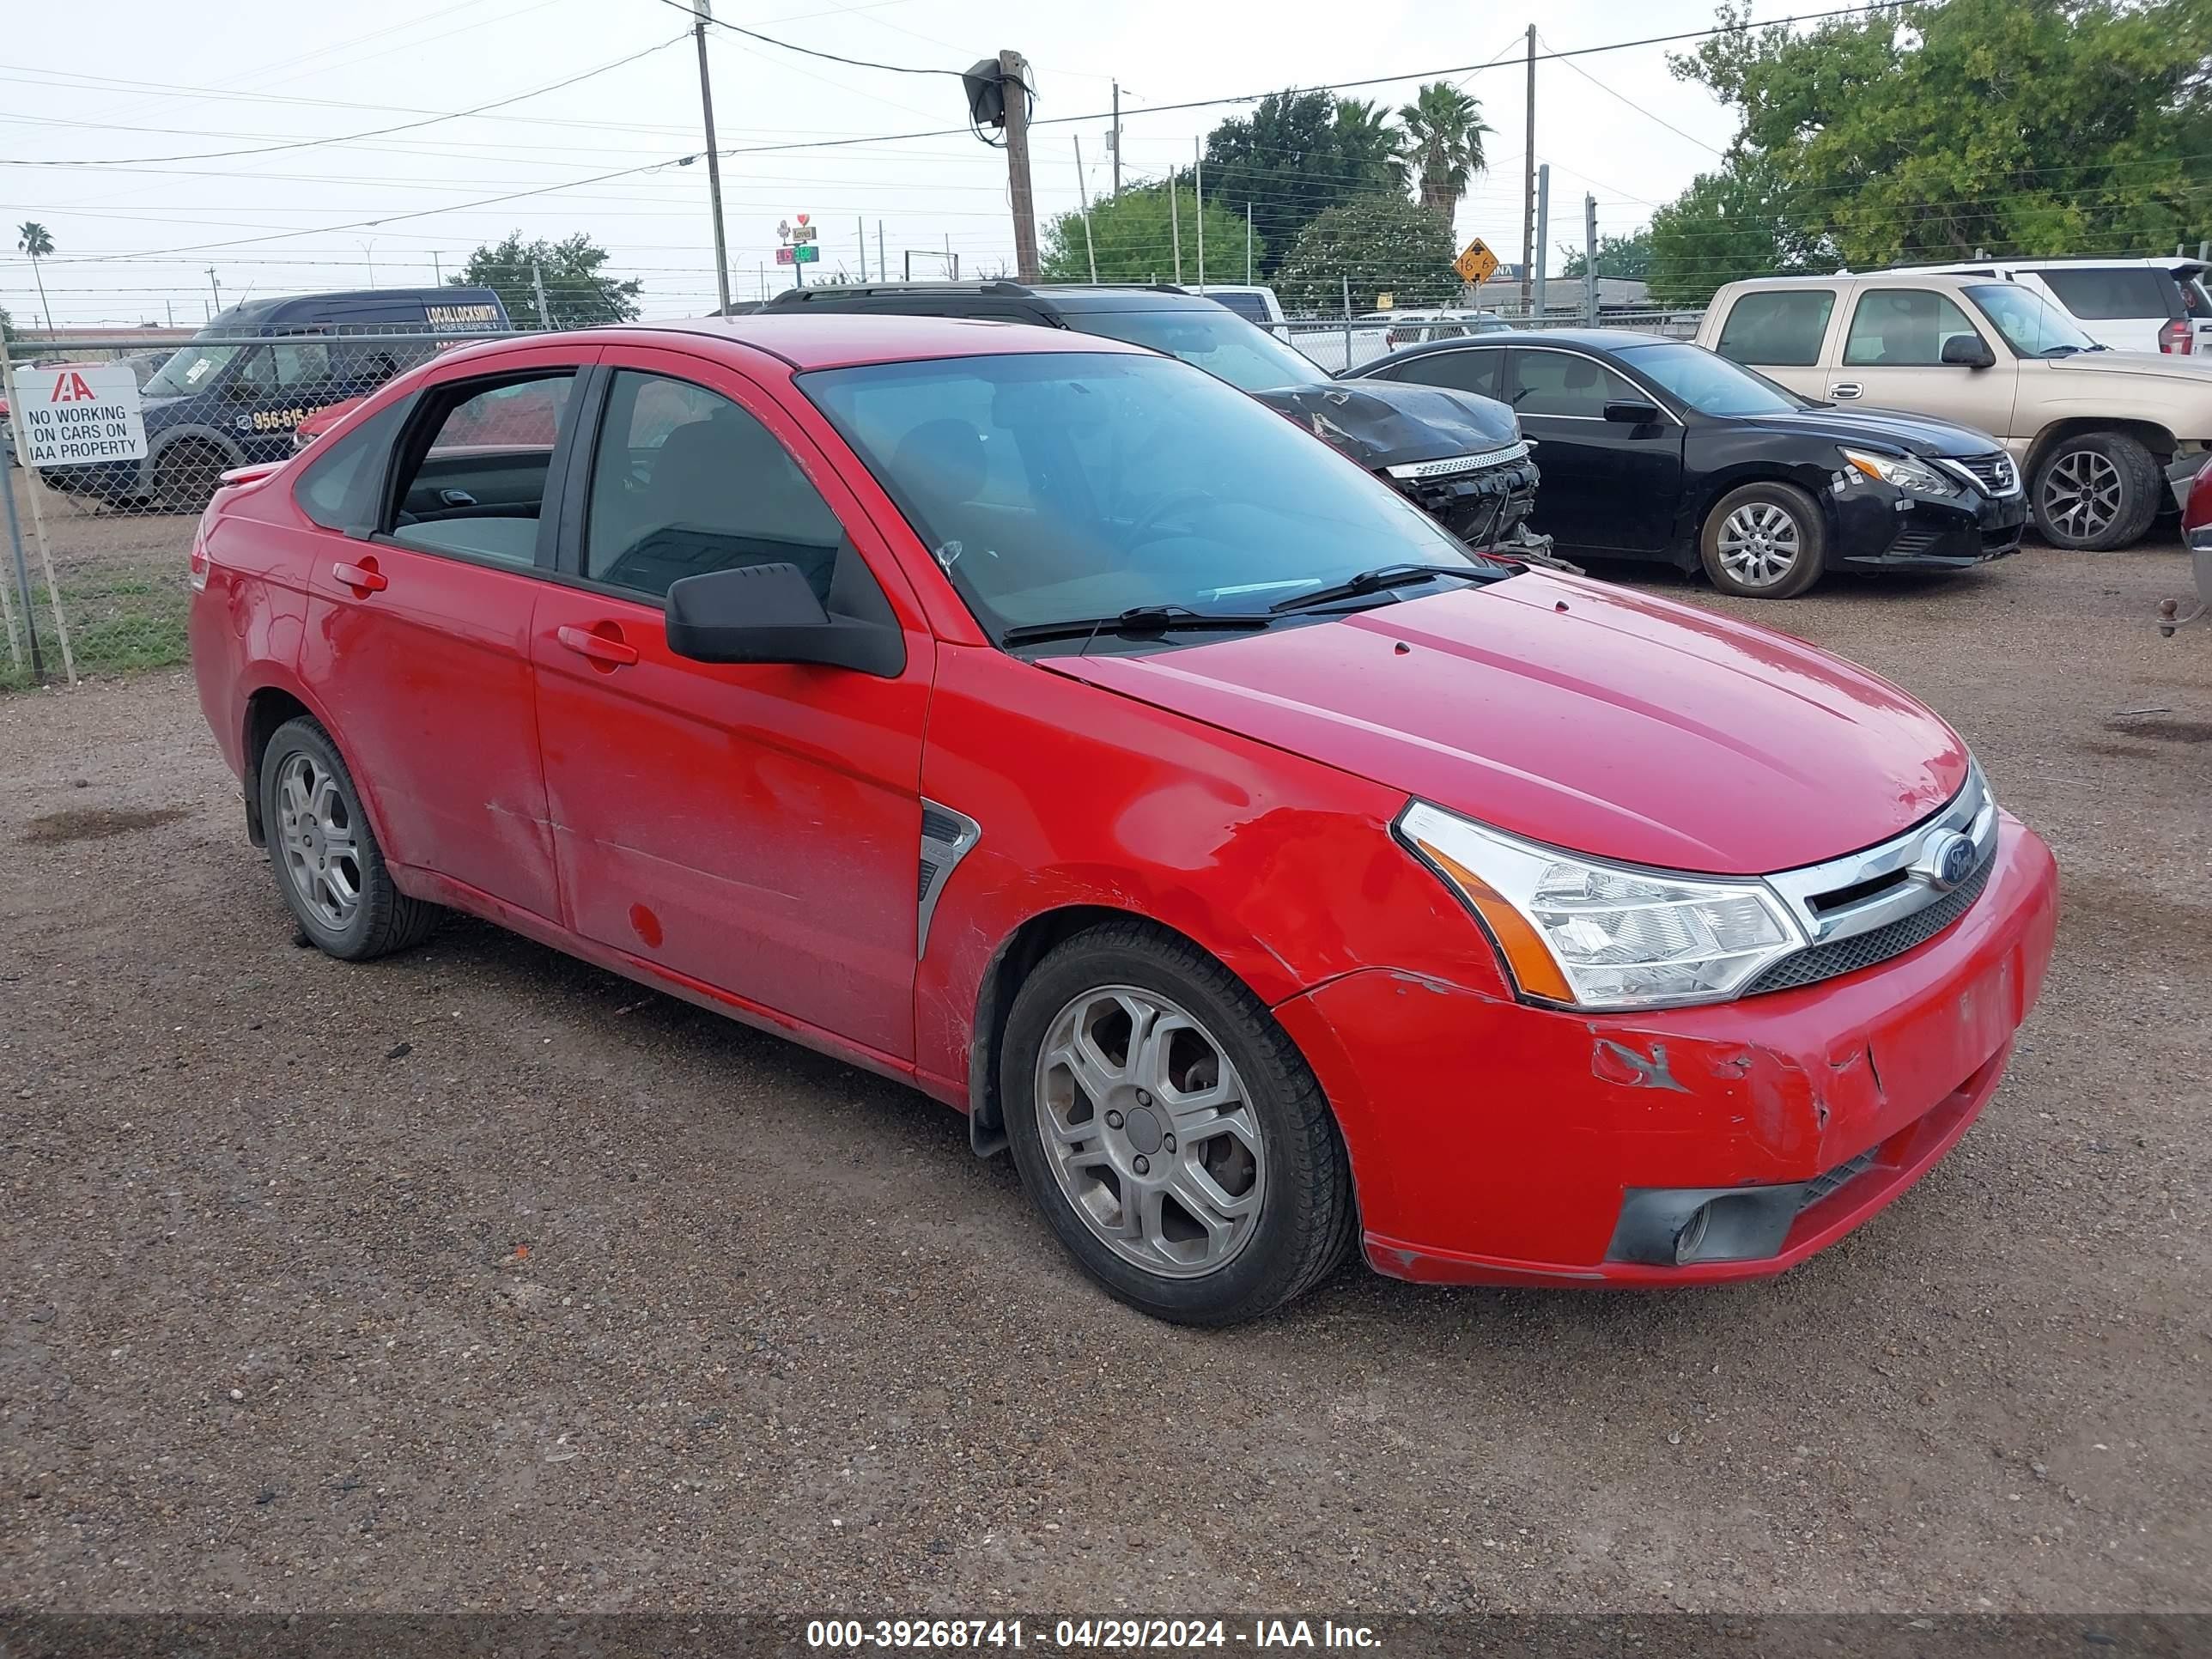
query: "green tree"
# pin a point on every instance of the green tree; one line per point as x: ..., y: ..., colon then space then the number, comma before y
x: 1381, y: 244
x: 1135, y: 242
x: 1728, y: 225
x: 1444, y: 131
x: 1617, y: 255
x: 1927, y: 131
x: 34, y: 240
x: 578, y: 294
x: 1290, y: 159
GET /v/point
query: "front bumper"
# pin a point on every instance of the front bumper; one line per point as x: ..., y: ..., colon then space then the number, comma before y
x: 1879, y: 527
x: 1482, y: 508
x: 1497, y: 1143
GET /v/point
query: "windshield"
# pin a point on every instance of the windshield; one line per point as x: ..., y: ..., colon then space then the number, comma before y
x: 2031, y: 325
x: 1219, y: 341
x: 194, y: 368
x: 1059, y: 485
x: 1709, y: 383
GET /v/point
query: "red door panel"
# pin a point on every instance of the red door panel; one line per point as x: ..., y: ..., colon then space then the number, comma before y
x: 755, y: 827
x: 424, y: 668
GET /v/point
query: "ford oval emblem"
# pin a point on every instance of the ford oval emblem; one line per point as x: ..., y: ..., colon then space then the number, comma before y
x: 1948, y: 858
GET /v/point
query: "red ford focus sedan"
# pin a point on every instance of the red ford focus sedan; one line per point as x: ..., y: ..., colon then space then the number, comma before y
x: 1046, y: 724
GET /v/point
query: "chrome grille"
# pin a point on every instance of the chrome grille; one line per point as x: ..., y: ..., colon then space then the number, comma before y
x: 1847, y: 955
x: 1993, y: 472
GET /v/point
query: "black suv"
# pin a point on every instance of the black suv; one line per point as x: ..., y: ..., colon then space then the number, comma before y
x: 1458, y: 456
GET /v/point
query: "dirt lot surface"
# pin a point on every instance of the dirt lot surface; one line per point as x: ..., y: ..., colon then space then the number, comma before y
x: 480, y: 1279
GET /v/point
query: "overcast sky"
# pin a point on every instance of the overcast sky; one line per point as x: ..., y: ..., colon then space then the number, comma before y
x: 135, y: 82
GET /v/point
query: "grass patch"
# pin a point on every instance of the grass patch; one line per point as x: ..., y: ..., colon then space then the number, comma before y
x: 115, y: 627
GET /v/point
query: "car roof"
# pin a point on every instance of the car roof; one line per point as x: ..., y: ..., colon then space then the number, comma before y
x: 1590, y: 339
x: 842, y: 339
x: 1071, y: 297
x: 2083, y: 261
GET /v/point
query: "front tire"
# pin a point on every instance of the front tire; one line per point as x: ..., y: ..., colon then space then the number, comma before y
x: 328, y: 865
x: 1169, y: 1131
x: 2096, y: 491
x: 186, y: 474
x: 1765, y: 541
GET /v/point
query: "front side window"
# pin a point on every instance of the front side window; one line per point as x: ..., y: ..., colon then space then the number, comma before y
x: 685, y: 482
x: 1561, y: 383
x: 477, y: 486
x: 1463, y: 370
x: 1903, y: 328
x: 1219, y: 341
x: 2031, y: 325
x: 1051, y: 486
x: 1782, y: 328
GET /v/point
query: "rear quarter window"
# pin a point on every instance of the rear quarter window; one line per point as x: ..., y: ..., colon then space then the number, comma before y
x: 1780, y: 329
x: 338, y: 489
x: 2095, y: 293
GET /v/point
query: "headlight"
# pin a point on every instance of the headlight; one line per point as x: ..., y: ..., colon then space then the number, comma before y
x: 1902, y: 471
x: 1596, y: 935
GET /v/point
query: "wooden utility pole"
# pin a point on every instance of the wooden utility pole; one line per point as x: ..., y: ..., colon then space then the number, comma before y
x: 1014, y: 85
x: 1529, y: 187
x: 701, y: 13
x: 1116, y: 145
x: 1083, y: 195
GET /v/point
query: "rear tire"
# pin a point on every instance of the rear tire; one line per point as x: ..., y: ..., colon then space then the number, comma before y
x: 1764, y: 541
x: 328, y: 865
x: 1200, y: 1176
x: 2096, y: 491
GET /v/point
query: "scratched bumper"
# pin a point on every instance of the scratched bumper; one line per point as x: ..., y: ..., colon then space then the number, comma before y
x: 1496, y: 1143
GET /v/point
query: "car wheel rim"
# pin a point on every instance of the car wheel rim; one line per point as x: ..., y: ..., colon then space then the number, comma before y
x: 1146, y: 1123
x: 316, y: 828
x: 2080, y: 494
x: 1760, y: 543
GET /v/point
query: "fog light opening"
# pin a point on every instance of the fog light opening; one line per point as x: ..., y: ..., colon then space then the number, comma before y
x: 1693, y: 1235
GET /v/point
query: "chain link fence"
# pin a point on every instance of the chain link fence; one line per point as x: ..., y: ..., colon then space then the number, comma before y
x: 100, y: 587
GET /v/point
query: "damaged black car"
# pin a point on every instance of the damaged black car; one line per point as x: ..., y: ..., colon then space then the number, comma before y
x: 1459, y: 457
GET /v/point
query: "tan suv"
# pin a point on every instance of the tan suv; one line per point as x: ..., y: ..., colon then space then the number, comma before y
x: 2104, y: 439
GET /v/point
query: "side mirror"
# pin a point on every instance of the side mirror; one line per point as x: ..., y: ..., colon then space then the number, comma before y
x: 1967, y: 351
x: 1631, y: 412
x: 766, y: 613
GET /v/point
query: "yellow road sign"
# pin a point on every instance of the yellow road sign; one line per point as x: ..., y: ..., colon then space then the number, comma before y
x: 1476, y: 263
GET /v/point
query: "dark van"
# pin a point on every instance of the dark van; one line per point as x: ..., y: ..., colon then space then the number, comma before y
x: 227, y: 399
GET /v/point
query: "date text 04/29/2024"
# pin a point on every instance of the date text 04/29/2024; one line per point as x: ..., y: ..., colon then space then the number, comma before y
x: 939, y: 1635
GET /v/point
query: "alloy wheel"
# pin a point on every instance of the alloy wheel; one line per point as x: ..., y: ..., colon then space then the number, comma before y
x: 1146, y: 1125
x: 1760, y: 542
x: 315, y: 827
x: 2080, y: 494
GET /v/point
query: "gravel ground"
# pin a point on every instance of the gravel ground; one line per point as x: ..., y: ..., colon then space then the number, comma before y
x: 479, y: 1279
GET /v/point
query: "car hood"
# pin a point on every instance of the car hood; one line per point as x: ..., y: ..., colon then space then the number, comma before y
x: 2186, y: 370
x: 1385, y: 423
x: 1588, y: 717
x: 1888, y: 428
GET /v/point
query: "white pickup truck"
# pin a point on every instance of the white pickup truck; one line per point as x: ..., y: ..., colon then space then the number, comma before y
x: 2106, y: 440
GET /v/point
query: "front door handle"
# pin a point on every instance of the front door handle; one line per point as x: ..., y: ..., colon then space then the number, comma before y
x: 605, y: 651
x: 1844, y: 392
x: 364, y: 578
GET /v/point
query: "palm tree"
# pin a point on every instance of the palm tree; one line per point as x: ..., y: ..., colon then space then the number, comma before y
x: 35, y: 239
x: 1370, y: 147
x: 1444, y: 131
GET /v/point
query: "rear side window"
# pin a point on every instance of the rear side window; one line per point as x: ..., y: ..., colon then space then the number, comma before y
x: 685, y: 482
x: 338, y: 489
x: 1782, y: 329
x: 477, y: 484
x: 1560, y: 383
x: 1903, y: 328
x: 1462, y: 370
x: 2094, y: 293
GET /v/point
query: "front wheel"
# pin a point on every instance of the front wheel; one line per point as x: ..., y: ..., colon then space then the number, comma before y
x: 187, y: 473
x: 1764, y: 541
x: 1169, y: 1131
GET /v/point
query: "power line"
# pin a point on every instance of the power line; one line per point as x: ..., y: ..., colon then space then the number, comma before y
x: 808, y: 51
x: 1633, y: 105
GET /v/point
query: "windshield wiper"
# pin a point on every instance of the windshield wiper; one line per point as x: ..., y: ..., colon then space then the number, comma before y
x: 1388, y: 575
x: 1139, y: 619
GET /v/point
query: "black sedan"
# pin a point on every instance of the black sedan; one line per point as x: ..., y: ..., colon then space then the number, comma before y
x: 1657, y: 449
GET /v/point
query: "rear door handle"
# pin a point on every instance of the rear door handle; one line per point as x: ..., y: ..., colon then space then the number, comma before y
x: 608, y: 652
x: 364, y: 578
x: 1844, y: 391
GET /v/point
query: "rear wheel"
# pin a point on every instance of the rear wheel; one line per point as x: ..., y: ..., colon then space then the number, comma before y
x: 1764, y: 541
x: 328, y: 865
x: 187, y: 473
x: 1169, y: 1130
x: 2096, y: 491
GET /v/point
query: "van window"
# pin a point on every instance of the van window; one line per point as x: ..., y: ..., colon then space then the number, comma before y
x: 1902, y: 328
x: 289, y: 363
x: 2094, y: 293
x: 1782, y: 328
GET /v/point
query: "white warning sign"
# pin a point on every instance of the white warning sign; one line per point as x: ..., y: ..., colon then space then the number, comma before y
x: 78, y: 413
